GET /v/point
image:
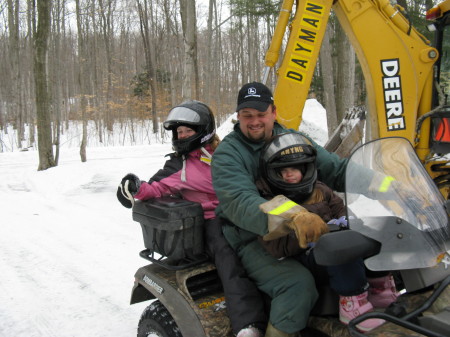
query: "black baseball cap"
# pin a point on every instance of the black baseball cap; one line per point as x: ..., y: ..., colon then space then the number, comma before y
x: 254, y: 95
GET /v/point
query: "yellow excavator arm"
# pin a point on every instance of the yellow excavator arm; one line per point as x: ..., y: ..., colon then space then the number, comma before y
x: 397, y: 63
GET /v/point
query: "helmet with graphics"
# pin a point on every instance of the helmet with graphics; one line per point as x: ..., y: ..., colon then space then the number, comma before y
x: 195, y: 115
x: 289, y: 150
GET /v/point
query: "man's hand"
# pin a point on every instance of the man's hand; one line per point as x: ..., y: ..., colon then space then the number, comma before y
x: 128, y: 188
x: 308, y: 227
x: 279, y: 212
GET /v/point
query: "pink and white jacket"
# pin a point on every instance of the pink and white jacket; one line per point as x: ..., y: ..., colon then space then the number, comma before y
x: 188, y: 175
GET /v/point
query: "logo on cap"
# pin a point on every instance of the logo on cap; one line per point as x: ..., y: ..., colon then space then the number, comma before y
x: 254, y: 95
x: 251, y: 93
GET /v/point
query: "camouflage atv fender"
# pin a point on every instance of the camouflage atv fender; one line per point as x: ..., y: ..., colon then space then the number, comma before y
x: 193, y: 297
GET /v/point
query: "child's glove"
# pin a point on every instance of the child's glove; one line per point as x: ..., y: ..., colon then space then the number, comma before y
x: 341, y: 222
x: 128, y: 187
x: 308, y: 227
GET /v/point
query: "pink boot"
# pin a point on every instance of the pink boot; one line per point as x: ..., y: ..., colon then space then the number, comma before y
x: 354, y: 306
x: 382, y: 291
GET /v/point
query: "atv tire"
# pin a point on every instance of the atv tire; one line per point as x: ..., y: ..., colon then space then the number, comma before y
x: 156, y: 321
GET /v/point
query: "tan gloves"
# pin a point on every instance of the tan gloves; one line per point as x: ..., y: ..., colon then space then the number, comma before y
x: 285, y: 215
x: 308, y: 227
x: 279, y: 211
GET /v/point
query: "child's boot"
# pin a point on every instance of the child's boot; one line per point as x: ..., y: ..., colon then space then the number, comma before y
x: 382, y: 291
x: 354, y: 306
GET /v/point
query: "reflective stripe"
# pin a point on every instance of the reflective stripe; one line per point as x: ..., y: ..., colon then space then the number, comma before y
x: 205, y: 160
x: 384, y: 186
x: 283, y: 208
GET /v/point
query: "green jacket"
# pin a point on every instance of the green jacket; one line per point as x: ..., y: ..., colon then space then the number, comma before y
x: 235, y: 169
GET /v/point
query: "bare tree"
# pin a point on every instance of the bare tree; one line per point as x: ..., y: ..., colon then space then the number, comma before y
x: 345, y: 79
x: 145, y: 33
x: 326, y: 66
x: 46, y: 159
x: 209, y: 51
x: 56, y: 74
x: 29, y: 82
x: 171, y: 34
x: 190, y: 75
x: 92, y: 67
x: 14, y: 91
x: 106, y: 23
x: 82, y: 76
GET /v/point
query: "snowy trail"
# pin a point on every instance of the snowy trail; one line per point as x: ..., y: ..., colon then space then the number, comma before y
x: 69, y: 249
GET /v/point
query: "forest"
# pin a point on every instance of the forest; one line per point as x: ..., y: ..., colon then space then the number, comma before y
x: 115, y: 64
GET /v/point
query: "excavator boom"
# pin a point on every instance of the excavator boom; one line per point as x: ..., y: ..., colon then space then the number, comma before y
x: 400, y: 66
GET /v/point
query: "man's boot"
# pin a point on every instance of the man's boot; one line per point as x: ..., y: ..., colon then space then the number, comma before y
x: 274, y: 332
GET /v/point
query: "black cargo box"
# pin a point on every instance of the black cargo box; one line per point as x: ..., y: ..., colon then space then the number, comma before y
x: 172, y: 227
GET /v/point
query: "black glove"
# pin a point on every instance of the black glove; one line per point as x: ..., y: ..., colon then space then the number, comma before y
x: 128, y: 187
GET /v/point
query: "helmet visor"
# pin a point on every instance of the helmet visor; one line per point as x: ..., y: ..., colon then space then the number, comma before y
x: 181, y: 115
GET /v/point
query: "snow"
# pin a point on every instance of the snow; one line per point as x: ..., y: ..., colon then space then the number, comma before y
x: 314, y: 121
x: 69, y: 249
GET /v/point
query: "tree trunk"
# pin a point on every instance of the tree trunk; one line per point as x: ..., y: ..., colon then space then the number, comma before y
x: 96, y: 83
x: 190, y: 74
x: 326, y: 65
x: 145, y: 33
x: 345, y: 98
x: 209, y: 52
x: 31, y: 23
x: 171, y: 66
x: 106, y: 23
x: 14, y: 91
x: 57, y: 76
x: 82, y: 77
x: 44, y: 127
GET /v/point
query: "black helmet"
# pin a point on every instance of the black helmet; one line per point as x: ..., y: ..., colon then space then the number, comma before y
x: 193, y: 114
x: 289, y: 150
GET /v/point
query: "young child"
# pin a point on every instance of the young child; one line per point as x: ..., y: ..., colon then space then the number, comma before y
x: 188, y: 172
x: 289, y: 168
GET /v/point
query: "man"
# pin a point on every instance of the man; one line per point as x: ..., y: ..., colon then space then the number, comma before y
x: 235, y: 168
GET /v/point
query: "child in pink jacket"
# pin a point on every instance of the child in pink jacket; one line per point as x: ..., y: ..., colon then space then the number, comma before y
x: 187, y: 172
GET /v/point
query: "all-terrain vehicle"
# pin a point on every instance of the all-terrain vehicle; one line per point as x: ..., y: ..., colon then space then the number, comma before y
x: 404, y: 229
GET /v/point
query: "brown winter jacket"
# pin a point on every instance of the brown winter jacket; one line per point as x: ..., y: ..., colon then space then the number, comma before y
x: 323, y: 202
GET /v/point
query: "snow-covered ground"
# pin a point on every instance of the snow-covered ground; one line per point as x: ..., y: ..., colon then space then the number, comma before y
x: 69, y: 250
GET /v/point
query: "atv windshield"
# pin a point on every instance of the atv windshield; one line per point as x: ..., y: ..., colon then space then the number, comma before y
x: 391, y: 198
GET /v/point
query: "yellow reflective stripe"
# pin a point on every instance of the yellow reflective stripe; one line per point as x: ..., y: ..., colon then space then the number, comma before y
x: 205, y: 160
x: 283, y: 208
x: 384, y: 186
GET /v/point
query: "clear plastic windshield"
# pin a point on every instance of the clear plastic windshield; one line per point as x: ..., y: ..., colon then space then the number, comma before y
x: 392, y: 199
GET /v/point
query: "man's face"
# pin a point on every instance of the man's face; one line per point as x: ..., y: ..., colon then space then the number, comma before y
x: 257, y: 125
